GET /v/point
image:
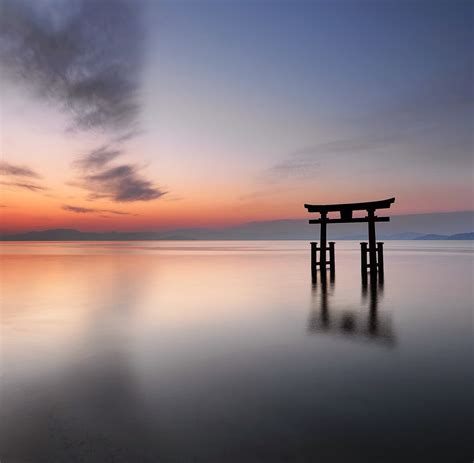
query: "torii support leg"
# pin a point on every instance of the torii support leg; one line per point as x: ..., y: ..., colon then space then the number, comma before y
x: 364, y: 265
x: 332, y: 257
x: 314, y: 248
x: 380, y: 260
x: 372, y: 243
x: 363, y: 260
x: 323, y: 243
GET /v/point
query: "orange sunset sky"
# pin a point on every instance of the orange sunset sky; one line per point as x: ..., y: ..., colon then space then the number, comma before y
x: 161, y: 115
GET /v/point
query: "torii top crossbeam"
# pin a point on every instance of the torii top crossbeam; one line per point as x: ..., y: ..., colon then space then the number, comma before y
x: 382, y: 204
x: 346, y: 210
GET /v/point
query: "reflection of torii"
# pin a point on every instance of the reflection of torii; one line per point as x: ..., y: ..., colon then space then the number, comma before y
x: 350, y: 322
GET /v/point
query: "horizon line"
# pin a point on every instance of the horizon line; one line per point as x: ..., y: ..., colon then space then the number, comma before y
x: 211, y: 227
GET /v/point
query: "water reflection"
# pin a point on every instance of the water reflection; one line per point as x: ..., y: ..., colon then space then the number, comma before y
x: 144, y: 356
x: 83, y: 406
x: 353, y: 321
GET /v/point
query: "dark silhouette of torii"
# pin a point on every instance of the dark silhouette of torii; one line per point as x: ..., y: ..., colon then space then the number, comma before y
x: 375, y: 249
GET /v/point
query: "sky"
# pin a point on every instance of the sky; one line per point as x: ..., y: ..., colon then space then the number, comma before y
x: 153, y: 115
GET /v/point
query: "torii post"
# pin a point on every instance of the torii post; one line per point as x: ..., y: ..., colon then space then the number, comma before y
x: 346, y: 211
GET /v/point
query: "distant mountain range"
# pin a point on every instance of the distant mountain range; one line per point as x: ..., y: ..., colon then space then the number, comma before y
x: 440, y: 226
x: 64, y: 234
x: 457, y: 236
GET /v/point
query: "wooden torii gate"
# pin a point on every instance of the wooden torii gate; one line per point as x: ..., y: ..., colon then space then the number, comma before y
x: 375, y: 250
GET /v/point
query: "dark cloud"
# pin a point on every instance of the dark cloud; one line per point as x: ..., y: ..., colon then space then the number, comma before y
x: 90, y: 210
x: 83, y: 54
x: 98, y: 158
x: 25, y: 185
x: 17, y: 171
x: 79, y: 210
x: 122, y: 184
x: 126, y: 136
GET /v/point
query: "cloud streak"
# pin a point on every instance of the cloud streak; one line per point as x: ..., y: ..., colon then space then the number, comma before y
x: 98, y: 158
x: 25, y: 186
x: 305, y: 162
x: 90, y: 210
x: 22, y: 177
x: 439, y: 110
x: 119, y: 183
x: 17, y: 171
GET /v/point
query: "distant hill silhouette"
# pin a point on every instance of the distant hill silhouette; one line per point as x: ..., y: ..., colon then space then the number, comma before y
x: 457, y: 236
x: 66, y: 234
x: 449, y: 225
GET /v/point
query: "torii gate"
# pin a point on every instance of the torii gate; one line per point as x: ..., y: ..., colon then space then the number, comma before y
x: 346, y: 210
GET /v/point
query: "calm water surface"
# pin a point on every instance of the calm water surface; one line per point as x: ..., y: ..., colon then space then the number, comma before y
x: 226, y: 352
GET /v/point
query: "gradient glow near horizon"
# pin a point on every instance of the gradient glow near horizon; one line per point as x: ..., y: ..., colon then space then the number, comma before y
x: 124, y: 115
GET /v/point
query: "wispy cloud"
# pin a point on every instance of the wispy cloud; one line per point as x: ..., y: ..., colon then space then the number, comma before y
x: 20, y: 177
x: 305, y: 162
x: 98, y: 158
x: 119, y: 183
x: 17, y: 171
x: 85, y: 55
x: 438, y: 110
x: 90, y: 210
x: 25, y: 185
x: 127, y: 135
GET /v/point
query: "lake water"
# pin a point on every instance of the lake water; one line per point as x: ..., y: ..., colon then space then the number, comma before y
x: 226, y: 352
